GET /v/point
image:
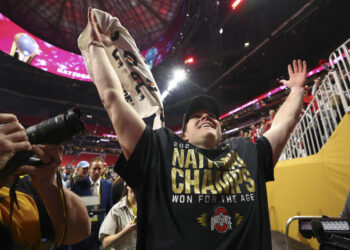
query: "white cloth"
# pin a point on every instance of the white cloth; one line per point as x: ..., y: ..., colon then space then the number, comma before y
x: 117, y: 218
x: 140, y: 88
x: 95, y: 187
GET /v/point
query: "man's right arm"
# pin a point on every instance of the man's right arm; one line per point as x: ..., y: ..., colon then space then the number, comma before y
x: 127, y: 124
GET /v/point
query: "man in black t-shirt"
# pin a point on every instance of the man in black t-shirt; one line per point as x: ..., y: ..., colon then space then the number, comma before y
x: 192, y: 192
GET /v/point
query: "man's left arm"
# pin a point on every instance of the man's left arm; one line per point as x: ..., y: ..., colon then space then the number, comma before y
x: 43, y: 179
x: 288, y: 115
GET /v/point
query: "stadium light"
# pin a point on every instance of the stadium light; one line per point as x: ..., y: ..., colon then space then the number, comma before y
x: 164, y: 94
x: 235, y: 4
x: 172, y: 84
x: 179, y: 75
x: 189, y: 60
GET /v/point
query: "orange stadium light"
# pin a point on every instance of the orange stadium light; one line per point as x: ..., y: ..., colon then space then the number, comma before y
x: 235, y: 4
x: 189, y: 60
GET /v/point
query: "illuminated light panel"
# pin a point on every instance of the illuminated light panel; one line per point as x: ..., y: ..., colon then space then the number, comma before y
x: 49, y: 57
x: 110, y: 136
x: 235, y: 4
x: 335, y: 225
x: 61, y: 62
x: 230, y: 131
x: 263, y: 96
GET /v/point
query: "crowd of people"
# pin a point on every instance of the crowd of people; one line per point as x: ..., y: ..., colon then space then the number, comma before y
x: 188, y: 192
x: 108, y: 226
x: 71, y: 174
x: 256, y: 130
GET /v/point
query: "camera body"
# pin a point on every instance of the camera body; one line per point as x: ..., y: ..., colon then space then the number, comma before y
x: 55, y: 130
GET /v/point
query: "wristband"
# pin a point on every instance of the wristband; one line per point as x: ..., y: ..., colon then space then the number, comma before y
x: 96, y: 43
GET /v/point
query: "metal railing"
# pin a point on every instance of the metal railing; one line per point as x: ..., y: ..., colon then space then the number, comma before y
x: 290, y: 220
x: 340, y: 62
x: 329, y: 104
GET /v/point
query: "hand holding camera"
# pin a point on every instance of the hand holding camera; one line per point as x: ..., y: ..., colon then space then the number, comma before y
x: 50, y: 156
x: 16, y: 143
x: 13, y: 139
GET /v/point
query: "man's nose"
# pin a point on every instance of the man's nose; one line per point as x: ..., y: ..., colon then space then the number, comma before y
x: 205, y: 116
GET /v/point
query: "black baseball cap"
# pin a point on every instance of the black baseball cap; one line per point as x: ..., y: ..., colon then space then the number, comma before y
x: 201, y: 102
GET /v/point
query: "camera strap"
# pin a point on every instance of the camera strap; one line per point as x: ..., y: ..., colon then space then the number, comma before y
x: 133, y: 208
x: 64, y: 212
x: 13, y: 198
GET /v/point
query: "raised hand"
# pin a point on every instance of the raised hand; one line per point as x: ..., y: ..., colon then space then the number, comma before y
x: 297, y: 74
x: 96, y: 33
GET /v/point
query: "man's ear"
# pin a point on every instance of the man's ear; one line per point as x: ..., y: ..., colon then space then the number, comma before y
x: 184, y: 136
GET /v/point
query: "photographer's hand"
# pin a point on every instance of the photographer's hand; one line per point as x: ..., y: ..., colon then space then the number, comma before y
x: 44, y: 175
x: 13, y: 136
x: 13, y: 139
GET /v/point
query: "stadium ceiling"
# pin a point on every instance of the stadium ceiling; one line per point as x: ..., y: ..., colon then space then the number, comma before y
x: 61, y: 21
x: 277, y: 32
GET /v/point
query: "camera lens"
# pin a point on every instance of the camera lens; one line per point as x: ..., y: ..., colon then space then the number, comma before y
x: 58, y: 129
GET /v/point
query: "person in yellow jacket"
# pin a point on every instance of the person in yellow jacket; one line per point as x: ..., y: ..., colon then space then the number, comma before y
x: 43, y: 210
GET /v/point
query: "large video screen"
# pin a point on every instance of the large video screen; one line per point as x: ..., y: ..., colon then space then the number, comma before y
x: 28, y: 48
x: 17, y: 42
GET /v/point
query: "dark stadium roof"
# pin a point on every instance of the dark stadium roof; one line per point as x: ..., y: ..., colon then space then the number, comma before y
x: 61, y: 22
x: 277, y: 32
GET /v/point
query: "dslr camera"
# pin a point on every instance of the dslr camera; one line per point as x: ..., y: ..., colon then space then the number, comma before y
x: 56, y: 130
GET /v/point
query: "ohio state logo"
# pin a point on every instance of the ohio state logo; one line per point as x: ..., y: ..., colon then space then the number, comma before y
x: 221, y: 221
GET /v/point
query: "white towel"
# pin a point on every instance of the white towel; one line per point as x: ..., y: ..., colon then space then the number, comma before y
x: 140, y: 88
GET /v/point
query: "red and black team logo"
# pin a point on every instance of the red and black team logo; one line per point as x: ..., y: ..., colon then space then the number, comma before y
x: 221, y: 221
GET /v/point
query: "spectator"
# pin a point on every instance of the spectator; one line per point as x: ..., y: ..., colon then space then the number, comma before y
x: 94, y: 185
x: 253, y: 136
x: 272, y: 114
x: 118, y: 189
x: 118, y: 230
x: 80, y: 173
x: 263, y: 126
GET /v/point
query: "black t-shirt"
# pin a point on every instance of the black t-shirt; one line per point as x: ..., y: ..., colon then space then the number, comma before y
x: 191, y: 198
